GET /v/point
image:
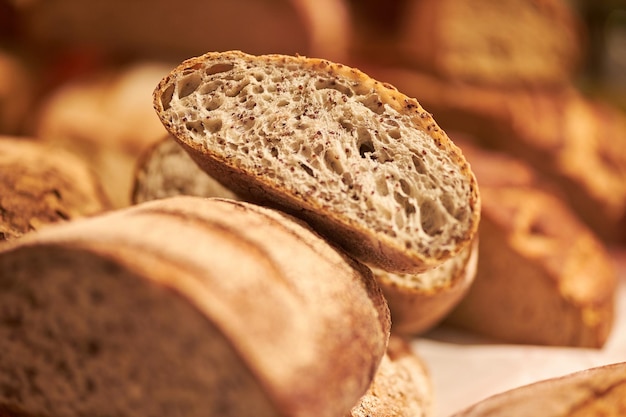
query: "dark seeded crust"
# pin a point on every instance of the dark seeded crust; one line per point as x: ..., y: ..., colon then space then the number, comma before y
x: 358, y: 238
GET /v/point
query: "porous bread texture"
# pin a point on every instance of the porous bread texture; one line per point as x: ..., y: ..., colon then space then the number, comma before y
x: 166, y: 170
x: 358, y: 159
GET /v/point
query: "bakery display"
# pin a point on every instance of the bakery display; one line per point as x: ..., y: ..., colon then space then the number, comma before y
x: 360, y: 161
x: 40, y: 186
x: 180, y: 306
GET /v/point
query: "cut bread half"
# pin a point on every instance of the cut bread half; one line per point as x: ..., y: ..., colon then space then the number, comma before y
x: 186, y: 306
x: 166, y: 170
x: 364, y: 164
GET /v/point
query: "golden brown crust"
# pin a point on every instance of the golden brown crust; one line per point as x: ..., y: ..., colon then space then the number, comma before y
x: 320, y: 313
x: 40, y: 186
x: 599, y: 391
x: 371, y: 248
x: 531, y: 243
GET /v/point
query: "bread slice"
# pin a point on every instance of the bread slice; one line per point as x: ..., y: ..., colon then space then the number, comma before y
x: 367, y: 166
x: 402, y: 386
x: 40, y: 186
x: 543, y: 277
x: 418, y: 302
x: 186, y: 306
x: 598, y: 391
x: 166, y: 170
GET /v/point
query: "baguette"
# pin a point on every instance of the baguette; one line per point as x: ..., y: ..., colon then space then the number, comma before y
x: 186, y: 306
x: 364, y: 164
x: 598, y: 391
x: 40, y: 186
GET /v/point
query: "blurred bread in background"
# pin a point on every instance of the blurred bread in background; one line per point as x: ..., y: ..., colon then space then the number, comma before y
x: 17, y: 94
x: 176, y: 30
x: 543, y: 277
x: 40, y: 186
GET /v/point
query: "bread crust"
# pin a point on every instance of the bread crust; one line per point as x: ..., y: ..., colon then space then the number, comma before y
x: 297, y: 305
x: 359, y: 239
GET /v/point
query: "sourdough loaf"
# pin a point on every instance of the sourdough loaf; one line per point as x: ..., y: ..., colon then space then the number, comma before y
x: 598, y: 391
x: 486, y: 42
x: 543, y: 277
x: 186, y: 306
x: 40, y: 186
x: 166, y: 170
x: 402, y: 386
x: 364, y: 164
x: 105, y: 117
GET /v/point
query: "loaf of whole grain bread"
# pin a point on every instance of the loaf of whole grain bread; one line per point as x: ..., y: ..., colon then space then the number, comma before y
x: 543, y: 277
x: 364, y: 164
x: 40, y: 186
x: 186, y: 306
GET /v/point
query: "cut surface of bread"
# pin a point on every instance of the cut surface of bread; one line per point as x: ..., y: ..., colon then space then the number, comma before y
x: 166, y: 170
x: 598, y: 391
x: 40, y: 186
x: 186, y: 306
x: 364, y: 164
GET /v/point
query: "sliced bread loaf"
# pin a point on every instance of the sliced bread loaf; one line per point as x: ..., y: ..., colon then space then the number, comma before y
x: 186, y: 306
x: 364, y: 164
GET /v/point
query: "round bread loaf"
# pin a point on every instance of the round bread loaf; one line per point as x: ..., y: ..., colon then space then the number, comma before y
x: 186, y: 306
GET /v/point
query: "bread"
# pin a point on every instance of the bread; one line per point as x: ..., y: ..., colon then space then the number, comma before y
x: 402, y: 386
x: 570, y: 136
x: 315, y: 27
x: 365, y: 165
x: 107, y: 118
x: 599, y: 391
x: 40, y: 186
x: 186, y: 306
x: 488, y: 42
x: 543, y: 277
x: 418, y: 302
x: 166, y: 170
x: 17, y: 93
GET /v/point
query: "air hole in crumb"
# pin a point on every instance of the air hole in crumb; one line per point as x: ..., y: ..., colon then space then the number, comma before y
x: 381, y: 186
x: 213, y: 125
x: 322, y: 84
x: 214, y: 104
x: 195, y: 126
x: 274, y: 152
x: 282, y: 103
x: 373, y: 103
x: 346, y: 125
x: 347, y: 179
x: 210, y: 87
x: 394, y: 133
x: 234, y: 90
x: 217, y: 68
x: 419, y: 165
x: 432, y: 219
x: 259, y: 76
x: 166, y: 97
x: 365, y: 144
x: 188, y: 85
x: 405, y: 187
x: 307, y: 169
x: 332, y: 162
